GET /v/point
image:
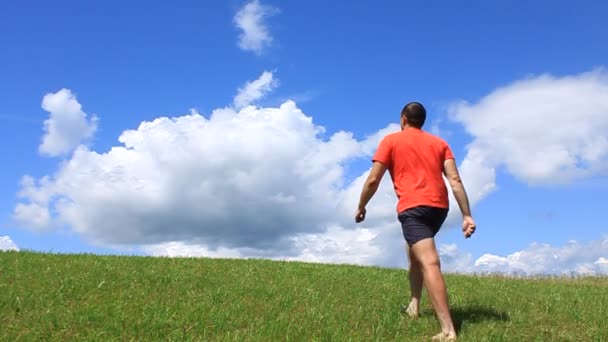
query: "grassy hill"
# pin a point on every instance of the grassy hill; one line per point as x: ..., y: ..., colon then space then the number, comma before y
x: 87, y: 297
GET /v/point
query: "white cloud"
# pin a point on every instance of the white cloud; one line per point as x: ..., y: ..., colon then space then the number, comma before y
x: 544, y: 130
x: 255, y: 90
x: 181, y: 249
x: 453, y: 260
x: 479, y: 179
x: 370, y: 144
x: 602, y: 265
x: 239, y: 179
x: 574, y: 258
x: 33, y: 215
x: 337, y: 245
x: 435, y: 129
x: 376, y: 241
x: 248, y: 182
x: 67, y: 125
x: 6, y: 244
x: 254, y: 35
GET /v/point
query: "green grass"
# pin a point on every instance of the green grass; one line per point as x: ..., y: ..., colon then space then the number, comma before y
x: 87, y: 297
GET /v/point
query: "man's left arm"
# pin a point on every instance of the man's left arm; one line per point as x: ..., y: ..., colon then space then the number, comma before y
x: 369, y: 189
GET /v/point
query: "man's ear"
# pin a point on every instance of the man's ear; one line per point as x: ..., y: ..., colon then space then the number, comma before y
x: 403, y: 121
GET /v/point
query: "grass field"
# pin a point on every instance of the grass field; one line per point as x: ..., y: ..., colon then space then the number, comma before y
x: 87, y: 297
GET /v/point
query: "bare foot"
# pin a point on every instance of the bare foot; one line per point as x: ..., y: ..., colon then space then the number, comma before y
x: 442, y: 336
x: 412, y: 310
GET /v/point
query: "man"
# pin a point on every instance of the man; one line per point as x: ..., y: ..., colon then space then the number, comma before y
x: 417, y: 161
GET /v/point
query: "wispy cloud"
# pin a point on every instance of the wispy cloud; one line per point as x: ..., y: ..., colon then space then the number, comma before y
x: 250, y: 20
x: 255, y: 90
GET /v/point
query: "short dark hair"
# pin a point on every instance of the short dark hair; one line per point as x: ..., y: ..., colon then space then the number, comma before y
x: 415, y: 114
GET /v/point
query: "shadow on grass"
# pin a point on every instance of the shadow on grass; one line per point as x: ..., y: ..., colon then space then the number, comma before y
x: 476, y: 314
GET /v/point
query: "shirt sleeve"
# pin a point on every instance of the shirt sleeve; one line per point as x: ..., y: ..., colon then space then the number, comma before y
x: 447, y: 152
x: 384, y: 153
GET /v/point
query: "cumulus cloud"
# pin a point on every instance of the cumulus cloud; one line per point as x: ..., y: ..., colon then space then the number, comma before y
x: 601, y: 264
x: 247, y: 182
x: 250, y: 20
x: 250, y: 179
x: 574, y: 258
x: 376, y: 241
x: 6, y: 244
x: 453, y: 260
x: 255, y: 90
x: 34, y: 213
x: 67, y: 125
x: 336, y: 245
x: 370, y: 144
x: 544, y: 130
x: 182, y: 249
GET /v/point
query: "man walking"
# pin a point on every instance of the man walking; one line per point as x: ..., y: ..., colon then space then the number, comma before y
x: 417, y: 161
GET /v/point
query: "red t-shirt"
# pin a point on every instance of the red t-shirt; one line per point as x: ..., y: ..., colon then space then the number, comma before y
x: 415, y: 162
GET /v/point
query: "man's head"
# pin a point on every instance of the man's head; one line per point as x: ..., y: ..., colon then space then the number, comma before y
x: 413, y: 115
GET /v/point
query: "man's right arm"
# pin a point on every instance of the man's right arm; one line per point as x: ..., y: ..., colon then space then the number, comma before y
x: 451, y: 173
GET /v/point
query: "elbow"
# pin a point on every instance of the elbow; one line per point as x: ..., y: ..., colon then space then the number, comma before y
x: 455, y: 183
x: 455, y: 180
x: 373, y: 182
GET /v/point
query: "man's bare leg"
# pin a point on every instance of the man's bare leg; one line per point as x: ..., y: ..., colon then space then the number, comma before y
x: 415, y: 275
x: 426, y: 253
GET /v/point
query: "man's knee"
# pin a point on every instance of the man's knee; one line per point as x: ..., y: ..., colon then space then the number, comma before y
x: 425, y: 254
x: 430, y: 264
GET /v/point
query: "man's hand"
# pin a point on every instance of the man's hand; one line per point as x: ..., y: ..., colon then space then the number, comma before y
x: 360, y: 215
x: 468, y: 226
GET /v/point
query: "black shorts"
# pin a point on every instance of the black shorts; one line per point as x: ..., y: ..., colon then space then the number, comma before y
x: 421, y: 222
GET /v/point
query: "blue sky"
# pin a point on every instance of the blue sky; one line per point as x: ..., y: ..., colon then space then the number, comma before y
x: 350, y: 66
